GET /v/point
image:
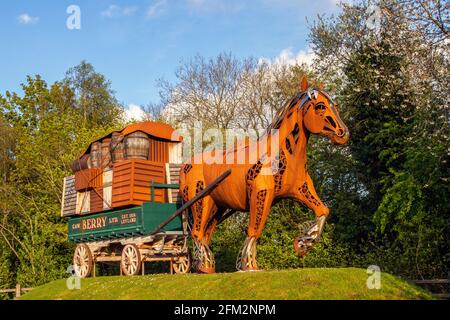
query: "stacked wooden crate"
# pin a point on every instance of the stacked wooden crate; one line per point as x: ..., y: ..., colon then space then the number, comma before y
x: 69, y: 202
x: 96, y: 200
x: 83, y: 202
x: 107, y: 189
x: 89, y: 187
x: 88, y: 178
x: 132, y: 179
x: 116, y: 170
x: 173, y: 177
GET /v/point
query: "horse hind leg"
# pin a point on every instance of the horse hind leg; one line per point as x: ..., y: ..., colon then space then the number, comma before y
x: 246, y: 260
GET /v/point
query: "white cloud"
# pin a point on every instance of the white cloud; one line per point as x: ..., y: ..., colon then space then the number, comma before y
x: 116, y: 11
x: 157, y: 8
x: 134, y: 112
x: 27, y: 19
x: 288, y: 57
x: 128, y: 11
x: 111, y: 11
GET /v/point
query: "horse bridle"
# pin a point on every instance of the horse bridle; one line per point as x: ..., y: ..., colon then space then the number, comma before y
x: 306, y: 96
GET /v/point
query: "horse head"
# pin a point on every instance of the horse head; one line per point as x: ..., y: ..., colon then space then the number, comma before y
x: 320, y: 114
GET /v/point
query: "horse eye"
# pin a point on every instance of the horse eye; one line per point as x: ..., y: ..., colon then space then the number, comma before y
x: 320, y: 107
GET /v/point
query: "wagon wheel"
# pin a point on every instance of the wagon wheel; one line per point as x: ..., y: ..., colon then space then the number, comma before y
x: 82, y: 261
x: 131, y: 260
x: 183, y: 264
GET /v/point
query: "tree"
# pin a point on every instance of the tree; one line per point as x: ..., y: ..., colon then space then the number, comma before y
x: 43, y: 131
x: 227, y: 93
x: 206, y: 90
x: 431, y: 16
x: 94, y: 97
x: 391, y: 86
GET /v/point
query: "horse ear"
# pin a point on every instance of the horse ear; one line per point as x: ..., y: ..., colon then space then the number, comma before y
x: 303, y: 84
x: 313, y: 121
x: 320, y: 85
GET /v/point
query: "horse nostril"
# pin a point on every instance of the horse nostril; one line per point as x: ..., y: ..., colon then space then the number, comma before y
x: 340, y: 133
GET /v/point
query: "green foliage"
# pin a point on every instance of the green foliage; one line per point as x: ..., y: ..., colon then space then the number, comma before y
x: 402, y: 203
x: 276, y: 245
x: 96, y: 103
x: 395, y: 108
x: 47, y: 131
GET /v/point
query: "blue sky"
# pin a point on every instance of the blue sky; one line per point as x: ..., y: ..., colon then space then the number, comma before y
x: 135, y: 42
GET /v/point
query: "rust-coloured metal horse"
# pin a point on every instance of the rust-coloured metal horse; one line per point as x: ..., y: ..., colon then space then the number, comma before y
x: 254, y: 186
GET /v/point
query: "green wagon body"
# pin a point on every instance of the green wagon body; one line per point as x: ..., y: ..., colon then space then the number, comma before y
x: 123, y: 223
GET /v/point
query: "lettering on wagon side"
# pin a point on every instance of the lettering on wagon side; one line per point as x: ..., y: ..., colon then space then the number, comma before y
x: 113, y: 220
x: 128, y: 218
x: 76, y: 226
x: 93, y: 223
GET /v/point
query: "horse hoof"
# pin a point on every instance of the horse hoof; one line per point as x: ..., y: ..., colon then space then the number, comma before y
x: 251, y: 269
x: 207, y: 270
x: 301, y: 250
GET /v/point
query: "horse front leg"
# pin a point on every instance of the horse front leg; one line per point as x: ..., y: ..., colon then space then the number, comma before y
x: 260, y: 203
x: 203, y: 257
x: 310, y: 232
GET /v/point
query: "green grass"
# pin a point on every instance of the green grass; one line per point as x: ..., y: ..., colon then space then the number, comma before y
x: 345, y: 283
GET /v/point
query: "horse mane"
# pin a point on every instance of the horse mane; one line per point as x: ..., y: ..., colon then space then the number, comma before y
x: 276, y: 122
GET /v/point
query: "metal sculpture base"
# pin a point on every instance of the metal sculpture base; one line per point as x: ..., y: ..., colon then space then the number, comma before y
x: 246, y: 260
x: 310, y: 232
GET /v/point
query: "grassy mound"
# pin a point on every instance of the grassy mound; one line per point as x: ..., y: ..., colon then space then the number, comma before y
x: 345, y: 283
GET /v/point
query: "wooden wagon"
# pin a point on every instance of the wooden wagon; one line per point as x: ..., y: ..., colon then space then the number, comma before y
x: 123, y: 202
x: 132, y: 236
